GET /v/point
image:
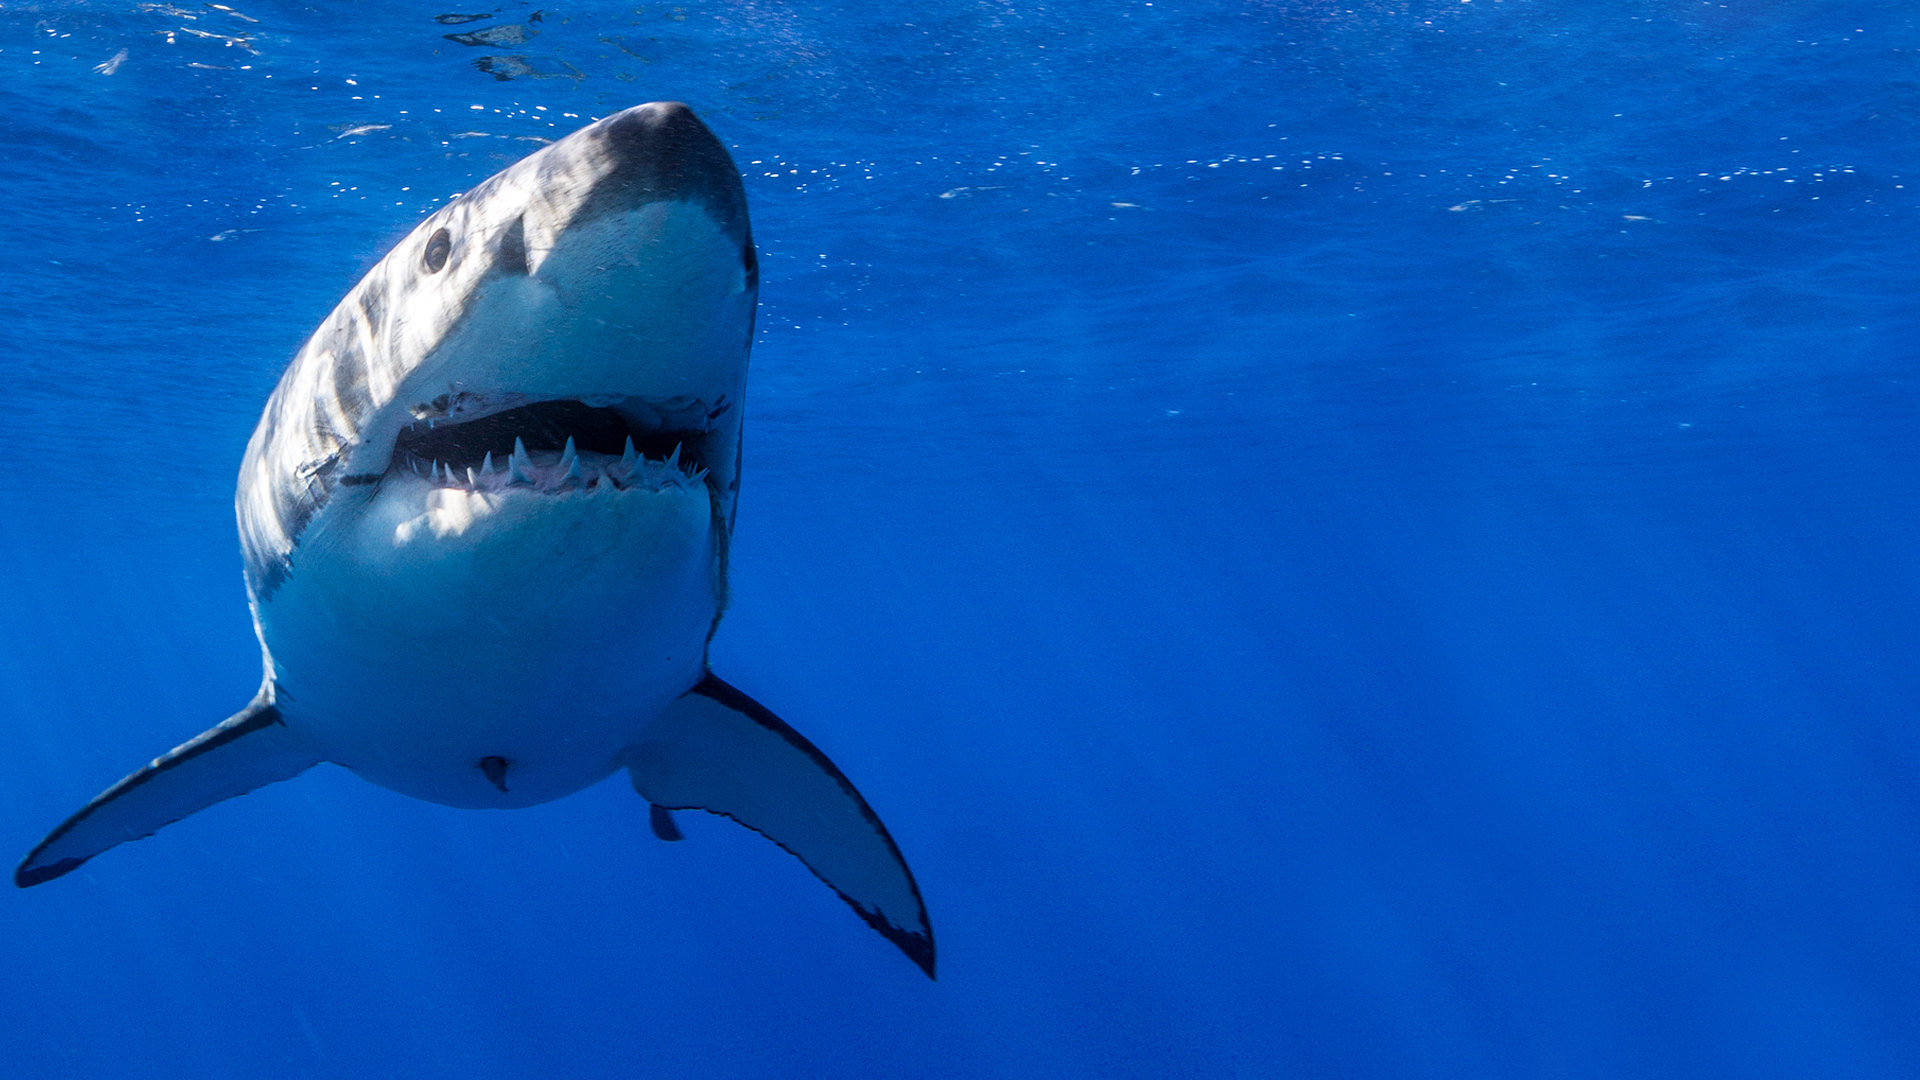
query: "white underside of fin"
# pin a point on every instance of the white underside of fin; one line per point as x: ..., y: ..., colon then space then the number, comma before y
x: 717, y: 749
x: 249, y: 750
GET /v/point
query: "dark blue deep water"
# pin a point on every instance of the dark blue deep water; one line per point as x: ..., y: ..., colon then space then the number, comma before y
x: 1365, y: 539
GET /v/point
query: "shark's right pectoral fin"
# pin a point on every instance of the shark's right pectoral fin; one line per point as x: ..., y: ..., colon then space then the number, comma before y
x: 717, y: 749
x: 248, y: 750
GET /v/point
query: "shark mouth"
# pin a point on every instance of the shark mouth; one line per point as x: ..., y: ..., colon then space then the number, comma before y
x: 555, y: 446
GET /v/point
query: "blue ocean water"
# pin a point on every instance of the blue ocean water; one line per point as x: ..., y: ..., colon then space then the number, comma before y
x: 1364, y: 539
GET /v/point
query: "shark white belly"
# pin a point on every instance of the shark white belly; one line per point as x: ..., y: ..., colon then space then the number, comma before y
x: 543, y: 630
x: 486, y: 517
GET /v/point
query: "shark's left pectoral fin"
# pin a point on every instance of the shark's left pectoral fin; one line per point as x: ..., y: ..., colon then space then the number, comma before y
x: 248, y: 750
x: 717, y: 749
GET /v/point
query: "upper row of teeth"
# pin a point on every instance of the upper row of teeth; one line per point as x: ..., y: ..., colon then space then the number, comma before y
x: 519, y: 469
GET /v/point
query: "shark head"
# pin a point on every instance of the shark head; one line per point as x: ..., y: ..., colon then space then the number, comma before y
x: 498, y: 482
x: 601, y: 290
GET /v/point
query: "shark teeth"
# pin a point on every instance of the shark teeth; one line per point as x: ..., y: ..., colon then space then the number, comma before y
x: 570, y: 461
x: 568, y: 470
x: 518, y: 463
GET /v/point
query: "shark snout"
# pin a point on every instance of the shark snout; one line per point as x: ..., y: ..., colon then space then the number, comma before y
x: 662, y: 152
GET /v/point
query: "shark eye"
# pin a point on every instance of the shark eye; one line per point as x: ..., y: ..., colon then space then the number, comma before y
x: 439, y: 245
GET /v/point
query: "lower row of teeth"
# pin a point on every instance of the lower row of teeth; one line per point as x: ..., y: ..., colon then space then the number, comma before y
x: 570, y: 471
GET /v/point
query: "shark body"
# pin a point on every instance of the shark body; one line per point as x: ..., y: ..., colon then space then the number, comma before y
x: 485, y: 519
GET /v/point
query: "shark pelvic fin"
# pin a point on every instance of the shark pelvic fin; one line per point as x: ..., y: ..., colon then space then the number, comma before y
x: 661, y: 819
x: 717, y: 749
x: 248, y: 750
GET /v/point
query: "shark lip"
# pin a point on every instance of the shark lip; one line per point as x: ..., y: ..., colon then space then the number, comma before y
x: 554, y: 446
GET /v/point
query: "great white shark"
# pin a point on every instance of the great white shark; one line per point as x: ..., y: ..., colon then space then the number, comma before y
x: 485, y: 519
